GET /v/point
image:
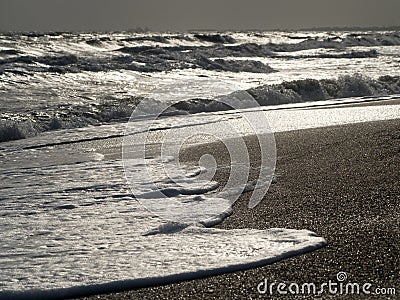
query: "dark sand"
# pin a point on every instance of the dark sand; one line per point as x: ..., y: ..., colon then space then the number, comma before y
x: 341, y: 182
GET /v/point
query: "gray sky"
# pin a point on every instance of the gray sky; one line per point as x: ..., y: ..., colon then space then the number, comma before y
x: 188, y: 14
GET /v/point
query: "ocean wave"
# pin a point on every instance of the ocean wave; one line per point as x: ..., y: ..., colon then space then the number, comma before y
x: 18, y: 126
x: 351, y: 40
x: 94, y: 42
x: 215, y: 38
x: 57, y: 60
x: 313, y: 90
x: 141, y: 59
x: 352, y: 54
x: 14, y: 130
x: 161, y: 59
x: 9, y: 52
x: 155, y: 38
x: 166, y: 52
x: 305, y: 90
x: 252, y: 66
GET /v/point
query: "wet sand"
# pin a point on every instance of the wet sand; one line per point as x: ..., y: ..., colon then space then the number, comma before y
x: 341, y: 182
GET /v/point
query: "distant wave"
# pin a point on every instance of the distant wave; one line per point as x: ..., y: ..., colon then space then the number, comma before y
x: 252, y: 66
x: 215, y: 38
x: 161, y: 59
x: 58, y: 60
x: 351, y: 40
x: 141, y: 59
x: 13, y: 127
x: 352, y: 54
x: 9, y: 52
x: 162, y: 52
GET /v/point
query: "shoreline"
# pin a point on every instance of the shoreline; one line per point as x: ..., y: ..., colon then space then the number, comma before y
x: 342, y: 182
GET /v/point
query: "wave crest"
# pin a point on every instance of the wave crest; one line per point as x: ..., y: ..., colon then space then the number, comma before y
x: 119, y: 110
x: 313, y: 90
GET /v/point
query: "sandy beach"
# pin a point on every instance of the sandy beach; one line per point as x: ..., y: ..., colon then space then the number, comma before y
x: 342, y: 182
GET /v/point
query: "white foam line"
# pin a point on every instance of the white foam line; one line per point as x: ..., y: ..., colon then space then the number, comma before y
x: 309, y: 242
x: 306, y: 119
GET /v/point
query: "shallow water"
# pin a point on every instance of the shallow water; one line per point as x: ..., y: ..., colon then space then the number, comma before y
x: 69, y: 218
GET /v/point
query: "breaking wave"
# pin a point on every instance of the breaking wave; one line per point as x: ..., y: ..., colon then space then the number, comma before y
x: 19, y: 126
x: 314, y: 90
x: 305, y: 90
x: 14, y: 127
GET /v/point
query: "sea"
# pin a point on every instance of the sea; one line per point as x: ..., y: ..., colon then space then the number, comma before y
x: 85, y: 201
